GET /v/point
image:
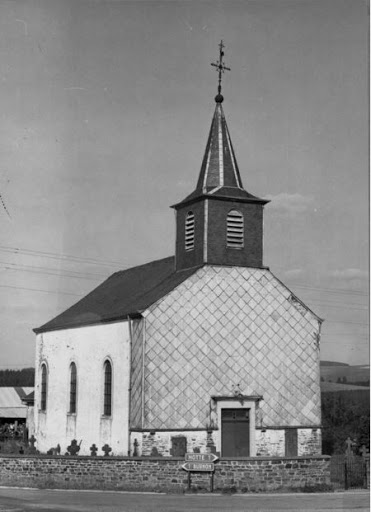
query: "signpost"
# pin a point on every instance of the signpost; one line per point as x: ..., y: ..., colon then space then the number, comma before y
x: 200, y: 457
x: 200, y: 462
x: 199, y: 466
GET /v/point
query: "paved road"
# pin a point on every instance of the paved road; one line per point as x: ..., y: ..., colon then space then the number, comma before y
x: 26, y: 500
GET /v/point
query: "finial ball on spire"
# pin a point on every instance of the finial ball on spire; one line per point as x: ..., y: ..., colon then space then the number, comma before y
x: 219, y: 98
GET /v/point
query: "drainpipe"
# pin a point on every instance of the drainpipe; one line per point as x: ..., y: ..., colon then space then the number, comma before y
x: 129, y: 387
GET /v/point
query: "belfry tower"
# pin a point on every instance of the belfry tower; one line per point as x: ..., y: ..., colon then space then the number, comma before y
x: 219, y: 223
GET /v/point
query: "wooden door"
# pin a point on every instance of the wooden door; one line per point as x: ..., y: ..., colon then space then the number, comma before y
x: 291, y: 442
x: 235, y: 433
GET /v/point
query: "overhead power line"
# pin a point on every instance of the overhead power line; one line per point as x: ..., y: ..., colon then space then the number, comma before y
x: 344, y: 306
x: 38, y: 290
x: 339, y: 291
x: 344, y: 322
x: 355, y: 345
x: 52, y: 271
x: 61, y: 256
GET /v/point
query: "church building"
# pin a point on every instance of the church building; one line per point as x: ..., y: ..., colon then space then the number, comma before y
x: 202, y: 351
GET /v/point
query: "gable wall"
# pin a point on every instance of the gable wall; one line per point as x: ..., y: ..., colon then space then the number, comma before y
x: 226, y: 326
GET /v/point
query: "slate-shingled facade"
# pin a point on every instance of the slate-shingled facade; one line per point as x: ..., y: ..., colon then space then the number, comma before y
x: 206, y: 350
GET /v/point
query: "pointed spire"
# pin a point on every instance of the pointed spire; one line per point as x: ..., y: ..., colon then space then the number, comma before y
x: 219, y: 175
x: 219, y: 166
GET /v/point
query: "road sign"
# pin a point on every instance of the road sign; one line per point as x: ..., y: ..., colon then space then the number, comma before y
x: 199, y: 466
x: 200, y: 457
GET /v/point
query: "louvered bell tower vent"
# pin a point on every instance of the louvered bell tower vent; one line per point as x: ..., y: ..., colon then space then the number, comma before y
x: 190, y: 231
x: 235, y: 229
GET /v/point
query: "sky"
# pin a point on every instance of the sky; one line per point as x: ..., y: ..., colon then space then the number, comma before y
x: 105, y: 109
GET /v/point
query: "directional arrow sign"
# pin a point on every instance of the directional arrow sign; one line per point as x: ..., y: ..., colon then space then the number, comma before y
x: 200, y: 457
x: 199, y: 466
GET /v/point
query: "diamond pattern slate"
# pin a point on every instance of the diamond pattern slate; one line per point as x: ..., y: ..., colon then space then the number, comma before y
x: 220, y: 327
x: 136, y: 374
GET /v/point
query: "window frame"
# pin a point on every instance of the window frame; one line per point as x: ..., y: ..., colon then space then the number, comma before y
x: 73, y: 389
x: 107, y: 388
x: 43, y: 386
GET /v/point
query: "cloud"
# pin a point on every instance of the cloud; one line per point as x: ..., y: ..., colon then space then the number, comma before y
x: 348, y: 274
x: 295, y: 272
x: 290, y: 203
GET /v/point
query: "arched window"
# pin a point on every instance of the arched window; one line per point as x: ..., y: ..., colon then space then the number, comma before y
x: 44, y: 387
x: 107, y: 407
x: 235, y: 229
x: 73, y: 387
x: 190, y: 231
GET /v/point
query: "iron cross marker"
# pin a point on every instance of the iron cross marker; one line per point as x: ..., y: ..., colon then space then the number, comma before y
x: 220, y: 66
x: 200, y: 457
x: 199, y: 466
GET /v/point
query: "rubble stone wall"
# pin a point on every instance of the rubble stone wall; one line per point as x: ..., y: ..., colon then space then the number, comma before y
x: 162, y: 474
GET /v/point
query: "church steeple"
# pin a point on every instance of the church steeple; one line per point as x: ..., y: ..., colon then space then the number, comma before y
x: 219, y: 222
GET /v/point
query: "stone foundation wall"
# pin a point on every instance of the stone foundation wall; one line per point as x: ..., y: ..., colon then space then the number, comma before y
x: 160, y: 443
x: 268, y: 442
x: 271, y: 442
x: 162, y: 474
x: 309, y: 441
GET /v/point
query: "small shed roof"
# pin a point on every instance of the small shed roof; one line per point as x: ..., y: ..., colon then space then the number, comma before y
x: 11, y: 405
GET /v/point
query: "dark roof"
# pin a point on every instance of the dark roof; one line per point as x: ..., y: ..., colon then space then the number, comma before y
x: 219, y: 175
x: 128, y: 292
x: 235, y: 194
x: 29, y: 399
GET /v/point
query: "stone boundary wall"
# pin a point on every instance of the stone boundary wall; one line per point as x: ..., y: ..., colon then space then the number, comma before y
x: 162, y: 474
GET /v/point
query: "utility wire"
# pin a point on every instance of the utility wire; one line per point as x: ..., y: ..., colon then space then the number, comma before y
x: 64, y: 257
x: 38, y: 290
x: 344, y: 322
x: 331, y: 290
x: 18, y: 266
x: 58, y: 274
x: 345, y: 306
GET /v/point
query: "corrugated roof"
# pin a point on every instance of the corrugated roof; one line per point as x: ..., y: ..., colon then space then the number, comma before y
x: 127, y: 292
x: 11, y: 405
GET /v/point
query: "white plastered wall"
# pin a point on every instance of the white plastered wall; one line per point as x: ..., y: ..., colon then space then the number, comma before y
x: 88, y: 347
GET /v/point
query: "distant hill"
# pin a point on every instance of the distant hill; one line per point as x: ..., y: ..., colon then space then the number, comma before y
x: 332, y: 363
x: 335, y: 387
x: 332, y: 371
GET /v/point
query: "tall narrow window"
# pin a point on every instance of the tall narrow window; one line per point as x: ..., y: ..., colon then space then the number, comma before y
x: 235, y: 229
x: 44, y: 385
x: 73, y: 387
x: 107, y: 409
x: 190, y: 231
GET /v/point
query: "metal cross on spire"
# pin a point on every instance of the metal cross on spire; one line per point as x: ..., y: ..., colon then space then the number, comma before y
x: 220, y: 66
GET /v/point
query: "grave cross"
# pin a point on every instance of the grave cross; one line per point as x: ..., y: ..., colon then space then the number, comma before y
x: 363, y: 451
x: 349, y: 444
x: 32, y: 448
x: 106, y: 450
x: 74, y: 448
x: 93, y: 449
